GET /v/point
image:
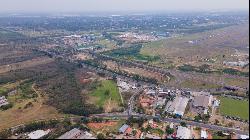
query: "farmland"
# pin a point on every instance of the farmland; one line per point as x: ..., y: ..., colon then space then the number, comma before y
x: 232, y: 107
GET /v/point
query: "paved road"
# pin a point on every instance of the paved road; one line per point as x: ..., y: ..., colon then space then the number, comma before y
x: 192, y: 123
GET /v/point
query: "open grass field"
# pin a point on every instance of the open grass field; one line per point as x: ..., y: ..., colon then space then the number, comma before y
x: 232, y: 107
x: 107, y: 95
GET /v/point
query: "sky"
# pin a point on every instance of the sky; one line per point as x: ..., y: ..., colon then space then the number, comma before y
x: 120, y: 5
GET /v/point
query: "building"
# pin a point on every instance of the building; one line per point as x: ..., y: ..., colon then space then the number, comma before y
x: 38, y: 134
x: 202, y: 102
x: 244, y: 137
x: 123, y: 128
x: 204, y: 134
x: 3, y: 101
x: 239, y: 63
x: 183, y: 133
x: 177, y: 106
x: 77, y: 134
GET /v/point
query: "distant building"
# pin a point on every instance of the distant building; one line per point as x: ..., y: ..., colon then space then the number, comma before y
x: 123, y: 128
x: 239, y: 63
x: 183, y: 133
x: 38, y: 134
x: 204, y: 134
x: 77, y: 134
x: 243, y: 137
x: 177, y: 106
x: 3, y: 101
x: 202, y: 102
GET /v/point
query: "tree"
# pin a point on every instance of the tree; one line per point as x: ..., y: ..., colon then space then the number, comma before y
x: 183, y: 124
x: 100, y: 136
x: 4, y: 134
x: 169, y: 130
x: 216, y: 122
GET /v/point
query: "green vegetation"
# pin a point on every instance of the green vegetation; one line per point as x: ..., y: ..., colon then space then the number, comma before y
x: 27, y: 91
x: 202, y: 69
x: 3, y: 91
x: 232, y: 107
x: 132, y: 53
x: 235, y: 72
x: 107, y: 90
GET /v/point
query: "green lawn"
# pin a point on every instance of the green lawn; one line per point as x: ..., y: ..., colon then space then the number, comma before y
x: 107, y: 90
x: 232, y: 107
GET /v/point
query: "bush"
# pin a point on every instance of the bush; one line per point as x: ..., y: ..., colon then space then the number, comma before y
x: 6, y: 107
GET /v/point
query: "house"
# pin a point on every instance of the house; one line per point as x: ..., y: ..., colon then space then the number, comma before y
x: 123, y: 128
x: 128, y: 131
x: 183, y: 133
x: 204, y: 134
x: 138, y: 134
x: 177, y: 106
x: 76, y: 134
x: 3, y: 101
x: 38, y: 134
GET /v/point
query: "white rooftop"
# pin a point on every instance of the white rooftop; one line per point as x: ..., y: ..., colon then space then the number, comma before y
x: 183, y: 133
x: 38, y: 134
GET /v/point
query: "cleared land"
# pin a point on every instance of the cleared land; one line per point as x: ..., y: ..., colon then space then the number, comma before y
x: 25, y: 64
x: 21, y: 113
x: 111, y: 126
x: 212, y: 47
x: 106, y: 95
x: 232, y: 107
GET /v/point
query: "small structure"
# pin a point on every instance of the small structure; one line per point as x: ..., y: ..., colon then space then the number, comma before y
x: 216, y: 103
x: 204, y: 134
x: 3, y: 101
x: 183, y: 133
x: 38, y: 134
x: 77, y: 134
x: 123, y: 128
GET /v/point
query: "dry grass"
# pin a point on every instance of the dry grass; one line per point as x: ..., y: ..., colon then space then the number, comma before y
x: 25, y: 64
x: 16, y: 116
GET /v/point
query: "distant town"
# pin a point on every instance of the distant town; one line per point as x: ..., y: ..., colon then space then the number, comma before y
x: 156, y: 76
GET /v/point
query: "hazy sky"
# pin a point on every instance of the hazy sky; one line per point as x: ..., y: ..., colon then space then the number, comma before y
x: 119, y: 5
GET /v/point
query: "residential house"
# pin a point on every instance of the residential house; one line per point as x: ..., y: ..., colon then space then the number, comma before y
x: 183, y: 133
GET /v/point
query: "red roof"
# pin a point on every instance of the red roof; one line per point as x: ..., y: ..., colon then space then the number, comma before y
x: 128, y: 131
x: 138, y: 134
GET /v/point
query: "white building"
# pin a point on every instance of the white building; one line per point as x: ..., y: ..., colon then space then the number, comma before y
x: 3, y: 101
x: 183, y: 133
x: 177, y: 106
x: 204, y: 134
x: 38, y: 134
x: 76, y: 134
